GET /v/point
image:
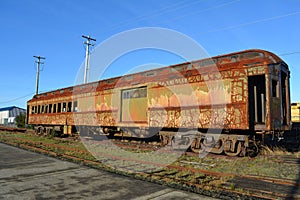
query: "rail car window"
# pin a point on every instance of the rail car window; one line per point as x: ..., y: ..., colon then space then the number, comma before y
x: 69, y: 107
x: 32, y: 110
x: 152, y: 73
x: 50, y: 108
x: 39, y: 109
x: 128, y: 77
x: 275, y: 88
x: 177, y: 68
x: 110, y: 81
x: 42, y: 111
x: 251, y: 55
x: 64, y: 108
x: 234, y: 58
x: 54, y: 108
x: 207, y: 62
x: 59, y: 107
x: 134, y: 93
x: 75, y: 108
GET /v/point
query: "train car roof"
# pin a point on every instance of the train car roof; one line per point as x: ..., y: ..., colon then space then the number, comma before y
x: 219, y: 61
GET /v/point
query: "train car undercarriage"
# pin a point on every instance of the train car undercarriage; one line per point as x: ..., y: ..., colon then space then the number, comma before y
x: 198, y: 142
x: 229, y: 144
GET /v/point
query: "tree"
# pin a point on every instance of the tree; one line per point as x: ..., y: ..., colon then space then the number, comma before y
x: 20, y: 120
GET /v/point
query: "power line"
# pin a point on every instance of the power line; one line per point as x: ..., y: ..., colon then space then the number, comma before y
x: 166, y: 10
x: 158, y: 12
x: 204, y: 10
x: 255, y: 22
x: 179, y: 6
x: 289, y: 53
x: 18, y: 98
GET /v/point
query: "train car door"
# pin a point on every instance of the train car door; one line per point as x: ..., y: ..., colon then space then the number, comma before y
x: 134, y: 105
x: 256, y: 102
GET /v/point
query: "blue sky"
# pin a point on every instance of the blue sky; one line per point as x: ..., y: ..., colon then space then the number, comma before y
x: 53, y: 29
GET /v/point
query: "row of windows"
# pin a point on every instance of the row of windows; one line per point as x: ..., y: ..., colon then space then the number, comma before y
x: 55, y: 108
x: 73, y: 107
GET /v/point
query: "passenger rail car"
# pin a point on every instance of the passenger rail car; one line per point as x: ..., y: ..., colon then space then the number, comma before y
x: 255, y: 103
x: 295, y: 113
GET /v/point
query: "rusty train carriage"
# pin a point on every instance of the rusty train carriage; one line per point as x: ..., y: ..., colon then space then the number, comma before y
x: 295, y: 115
x: 253, y: 102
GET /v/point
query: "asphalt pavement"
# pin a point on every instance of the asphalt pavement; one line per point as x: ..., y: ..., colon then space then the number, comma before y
x: 28, y: 175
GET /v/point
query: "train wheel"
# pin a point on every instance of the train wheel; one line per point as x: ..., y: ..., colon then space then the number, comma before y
x: 218, y: 147
x: 165, y: 139
x: 196, y: 145
x: 105, y: 131
x: 41, y: 130
x: 252, y: 150
x: 243, y: 150
x: 238, y: 149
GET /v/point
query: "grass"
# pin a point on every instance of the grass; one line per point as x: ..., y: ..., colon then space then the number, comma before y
x: 278, y: 151
x: 259, y: 166
x: 68, y: 147
x: 185, y: 171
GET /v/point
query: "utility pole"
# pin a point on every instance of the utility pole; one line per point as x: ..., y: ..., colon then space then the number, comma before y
x: 87, y: 52
x: 38, y: 71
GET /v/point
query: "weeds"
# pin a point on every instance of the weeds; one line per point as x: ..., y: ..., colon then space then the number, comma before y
x: 187, y: 170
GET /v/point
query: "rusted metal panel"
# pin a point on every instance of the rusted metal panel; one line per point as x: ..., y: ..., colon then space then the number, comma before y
x: 190, y: 104
x: 275, y: 114
x: 98, y: 118
x: 228, y: 118
x: 178, y: 96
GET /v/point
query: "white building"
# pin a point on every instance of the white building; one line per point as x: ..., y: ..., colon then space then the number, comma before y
x: 8, y: 115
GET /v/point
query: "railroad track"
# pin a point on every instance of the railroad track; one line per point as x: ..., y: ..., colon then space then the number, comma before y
x: 260, y: 187
x: 12, y: 129
x: 287, y: 159
x: 175, y: 175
